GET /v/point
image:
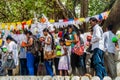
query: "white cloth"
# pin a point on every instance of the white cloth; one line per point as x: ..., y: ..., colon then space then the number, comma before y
x: 84, y: 40
x: 15, y: 37
x: 119, y: 43
x: 83, y: 37
x: 97, y: 41
x: 12, y: 47
x: 22, y: 38
x: 48, y: 47
x: 108, y: 44
x: 57, y: 41
x: 63, y: 61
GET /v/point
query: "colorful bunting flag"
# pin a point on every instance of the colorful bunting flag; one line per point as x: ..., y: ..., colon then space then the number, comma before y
x: 51, y: 20
x: 82, y: 19
x: 44, y: 19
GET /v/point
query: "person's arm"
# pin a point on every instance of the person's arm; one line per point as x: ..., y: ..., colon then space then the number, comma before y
x: 48, y: 41
x: 104, y: 40
x: 75, y: 38
x: 30, y: 42
x: 65, y: 50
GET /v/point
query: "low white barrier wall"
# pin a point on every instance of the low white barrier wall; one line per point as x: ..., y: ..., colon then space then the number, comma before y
x: 54, y: 78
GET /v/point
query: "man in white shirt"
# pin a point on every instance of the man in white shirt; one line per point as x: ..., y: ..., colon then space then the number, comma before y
x: 110, y: 51
x: 98, y: 49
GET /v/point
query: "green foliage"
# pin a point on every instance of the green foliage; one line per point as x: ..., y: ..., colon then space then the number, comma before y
x: 20, y: 10
x: 97, y: 6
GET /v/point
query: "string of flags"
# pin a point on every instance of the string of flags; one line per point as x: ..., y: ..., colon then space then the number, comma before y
x: 45, y: 22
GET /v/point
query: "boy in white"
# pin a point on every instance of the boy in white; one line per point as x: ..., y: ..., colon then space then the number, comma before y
x: 110, y: 52
x: 97, y: 47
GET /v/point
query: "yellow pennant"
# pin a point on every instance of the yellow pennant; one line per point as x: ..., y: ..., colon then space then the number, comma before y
x: 82, y: 19
x: 51, y: 20
x: 3, y: 25
x: 13, y: 24
x: 18, y: 23
x: 29, y: 22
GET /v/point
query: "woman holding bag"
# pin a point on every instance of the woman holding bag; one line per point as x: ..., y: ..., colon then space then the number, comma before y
x: 12, y: 62
x: 48, y: 51
x: 76, y: 60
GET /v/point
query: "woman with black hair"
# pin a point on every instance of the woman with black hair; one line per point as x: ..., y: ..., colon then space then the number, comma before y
x: 48, y: 51
x: 76, y: 61
x: 29, y: 55
x: 12, y: 58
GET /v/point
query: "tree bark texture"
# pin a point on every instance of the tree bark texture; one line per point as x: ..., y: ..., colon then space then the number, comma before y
x: 84, y: 12
x: 114, y: 16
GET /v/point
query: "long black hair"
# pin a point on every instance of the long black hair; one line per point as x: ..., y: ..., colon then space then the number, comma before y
x: 74, y: 28
x: 53, y: 44
x: 10, y: 38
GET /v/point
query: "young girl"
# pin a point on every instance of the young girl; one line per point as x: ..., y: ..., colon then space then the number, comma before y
x: 63, y: 62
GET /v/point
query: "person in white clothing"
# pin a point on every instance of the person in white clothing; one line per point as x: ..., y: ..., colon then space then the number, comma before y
x: 12, y: 48
x: 110, y: 52
x: 48, y: 51
x: 22, y: 55
x: 63, y: 65
x: 98, y: 49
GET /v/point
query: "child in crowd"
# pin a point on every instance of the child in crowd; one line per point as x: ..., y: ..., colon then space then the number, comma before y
x: 63, y: 62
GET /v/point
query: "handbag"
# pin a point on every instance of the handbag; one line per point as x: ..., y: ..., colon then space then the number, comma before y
x: 10, y: 64
x: 79, y: 48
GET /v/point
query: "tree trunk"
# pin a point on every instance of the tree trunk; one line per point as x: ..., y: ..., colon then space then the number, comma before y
x: 84, y: 12
x: 114, y: 16
x: 67, y: 13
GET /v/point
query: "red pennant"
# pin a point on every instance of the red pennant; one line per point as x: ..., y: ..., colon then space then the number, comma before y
x: 65, y: 20
x: 23, y: 25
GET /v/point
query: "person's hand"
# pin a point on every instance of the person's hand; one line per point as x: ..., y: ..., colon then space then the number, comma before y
x: 42, y: 39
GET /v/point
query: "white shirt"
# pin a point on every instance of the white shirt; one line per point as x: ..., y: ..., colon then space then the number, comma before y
x: 108, y: 44
x: 57, y: 41
x: 97, y: 41
x: 22, y: 38
x: 12, y: 47
x: 83, y: 37
x: 48, y: 47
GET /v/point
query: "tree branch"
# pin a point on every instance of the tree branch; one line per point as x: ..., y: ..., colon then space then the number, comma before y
x: 66, y: 12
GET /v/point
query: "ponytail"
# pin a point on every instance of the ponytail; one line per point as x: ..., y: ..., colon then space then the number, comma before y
x: 53, y: 44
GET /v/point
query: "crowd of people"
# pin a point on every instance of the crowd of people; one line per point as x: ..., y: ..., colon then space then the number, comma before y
x: 32, y: 55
